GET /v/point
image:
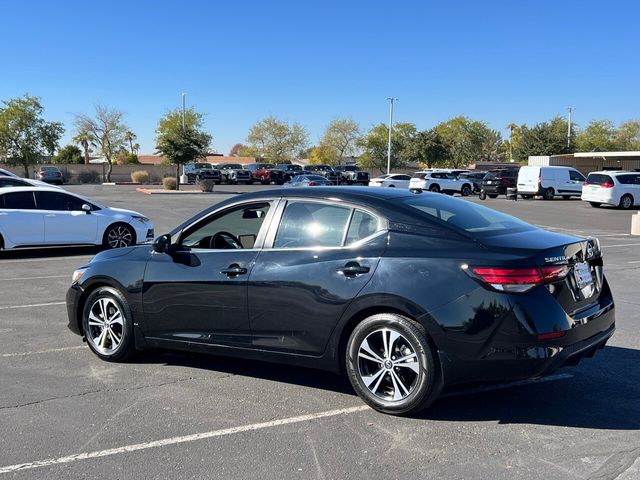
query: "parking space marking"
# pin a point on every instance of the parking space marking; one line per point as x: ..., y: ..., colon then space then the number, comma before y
x: 39, y: 352
x: 32, y: 278
x: 181, y: 439
x: 33, y: 305
x: 621, y: 245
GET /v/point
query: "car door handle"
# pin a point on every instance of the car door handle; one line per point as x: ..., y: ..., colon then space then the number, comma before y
x: 234, y: 270
x: 352, y: 269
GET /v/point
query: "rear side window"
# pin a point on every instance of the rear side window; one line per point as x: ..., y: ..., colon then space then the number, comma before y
x: 599, y: 179
x: 420, y: 175
x: 628, y: 179
x: 474, y: 219
x: 362, y: 225
x: 19, y: 201
x: 306, y: 224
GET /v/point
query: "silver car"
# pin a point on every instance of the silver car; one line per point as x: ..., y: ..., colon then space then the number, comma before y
x: 50, y: 174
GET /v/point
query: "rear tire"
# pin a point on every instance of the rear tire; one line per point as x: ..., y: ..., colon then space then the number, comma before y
x: 435, y: 188
x: 595, y: 204
x: 385, y: 383
x: 492, y: 195
x: 548, y: 194
x: 482, y: 195
x: 626, y: 202
x: 466, y: 190
x: 110, y: 338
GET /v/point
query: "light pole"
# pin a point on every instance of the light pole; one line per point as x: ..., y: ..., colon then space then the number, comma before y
x: 184, y: 124
x: 391, y: 102
x: 570, y: 109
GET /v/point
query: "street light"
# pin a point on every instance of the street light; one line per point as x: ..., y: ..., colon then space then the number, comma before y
x: 391, y: 102
x: 570, y: 109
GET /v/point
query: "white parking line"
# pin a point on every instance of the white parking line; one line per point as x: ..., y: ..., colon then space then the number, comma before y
x: 33, y: 305
x: 33, y: 278
x: 176, y: 440
x: 38, y: 352
x: 621, y: 245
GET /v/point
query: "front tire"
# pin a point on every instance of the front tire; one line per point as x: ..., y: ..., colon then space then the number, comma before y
x: 493, y: 195
x: 465, y: 191
x: 108, y: 325
x: 626, y: 202
x: 391, y: 364
x: 119, y: 235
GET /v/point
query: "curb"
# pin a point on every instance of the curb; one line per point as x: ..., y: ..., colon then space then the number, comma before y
x: 157, y: 191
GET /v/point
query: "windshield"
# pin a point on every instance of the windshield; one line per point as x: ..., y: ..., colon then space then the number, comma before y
x: 202, y: 166
x: 474, y: 219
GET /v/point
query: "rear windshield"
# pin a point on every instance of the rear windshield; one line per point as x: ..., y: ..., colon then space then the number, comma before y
x: 599, y: 179
x: 473, y: 219
x: 202, y: 165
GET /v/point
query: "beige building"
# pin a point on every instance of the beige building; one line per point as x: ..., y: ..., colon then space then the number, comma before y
x: 590, y: 161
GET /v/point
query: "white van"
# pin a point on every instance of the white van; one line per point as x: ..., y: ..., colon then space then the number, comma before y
x: 549, y: 182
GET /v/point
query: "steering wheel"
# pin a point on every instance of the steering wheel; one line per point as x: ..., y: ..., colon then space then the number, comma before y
x: 224, y: 240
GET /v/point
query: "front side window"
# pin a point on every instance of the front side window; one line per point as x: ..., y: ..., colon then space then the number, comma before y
x: 307, y: 224
x: 58, y: 201
x: 576, y: 176
x: 19, y: 201
x: 235, y: 228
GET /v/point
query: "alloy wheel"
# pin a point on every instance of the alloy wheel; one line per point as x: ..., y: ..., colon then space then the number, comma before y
x: 119, y: 236
x: 106, y: 326
x: 388, y: 364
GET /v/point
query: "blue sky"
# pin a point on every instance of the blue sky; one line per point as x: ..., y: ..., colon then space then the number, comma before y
x: 239, y: 61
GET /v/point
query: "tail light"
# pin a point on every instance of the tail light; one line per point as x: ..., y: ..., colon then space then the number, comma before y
x: 516, y: 280
x: 606, y: 185
x: 551, y: 335
x: 312, y: 184
x: 585, y: 184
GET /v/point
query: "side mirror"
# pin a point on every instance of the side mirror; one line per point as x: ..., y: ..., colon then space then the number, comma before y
x: 162, y: 243
x: 86, y: 208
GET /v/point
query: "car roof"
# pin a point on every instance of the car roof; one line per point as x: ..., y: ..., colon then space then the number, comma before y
x: 32, y: 188
x: 614, y: 172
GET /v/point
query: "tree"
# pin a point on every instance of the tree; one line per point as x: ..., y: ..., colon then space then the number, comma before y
x: 375, y: 146
x: 628, y: 136
x: 469, y: 141
x: 276, y: 140
x: 599, y: 136
x: 25, y: 136
x: 84, y: 140
x: 321, y: 155
x: 68, y: 154
x: 136, y: 148
x: 106, y: 131
x: 182, y: 145
x: 544, y: 138
x: 427, y: 149
x: 129, y: 137
x: 339, y: 140
x: 237, y: 150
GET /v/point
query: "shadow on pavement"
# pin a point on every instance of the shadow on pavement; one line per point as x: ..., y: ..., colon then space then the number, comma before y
x: 604, y: 392
x: 49, y: 252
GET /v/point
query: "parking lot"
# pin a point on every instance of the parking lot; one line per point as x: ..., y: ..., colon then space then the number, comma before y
x: 66, y: 414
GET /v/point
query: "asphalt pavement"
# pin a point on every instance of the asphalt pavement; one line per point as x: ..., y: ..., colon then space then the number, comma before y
x: 65, y: 414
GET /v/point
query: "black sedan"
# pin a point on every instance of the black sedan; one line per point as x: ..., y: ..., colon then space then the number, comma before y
x: 404, y: 292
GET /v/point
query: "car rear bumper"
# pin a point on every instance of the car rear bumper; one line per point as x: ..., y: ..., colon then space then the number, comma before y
x: 600, y: 196
x: 497, y: 189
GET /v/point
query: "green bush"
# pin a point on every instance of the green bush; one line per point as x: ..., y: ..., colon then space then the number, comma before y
x: 206, y: 185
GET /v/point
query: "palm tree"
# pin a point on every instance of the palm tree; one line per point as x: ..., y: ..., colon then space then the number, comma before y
x: 129, y: 136
x: 84, y: 139
x: 136, y: 148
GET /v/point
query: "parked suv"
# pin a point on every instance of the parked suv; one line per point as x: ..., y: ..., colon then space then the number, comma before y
x: 324, y: 170
x: 548, y: 182
x: 440, y: 181
x: 233, y: 173
x: 202, y: 171
x: 290, y: 170
x: 612, y: 188
x: 475, y: 178
x: 351, y: 174
x: 497, y: 181
x: 265, y: 173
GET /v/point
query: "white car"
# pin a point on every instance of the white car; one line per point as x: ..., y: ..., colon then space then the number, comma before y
x: 31, y: 217
x: 445, y: 181
x: 7, y: 173
x: 612, y: 188
x: 6, y: 181
x: 549, y: 182
x: 399, y: 180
